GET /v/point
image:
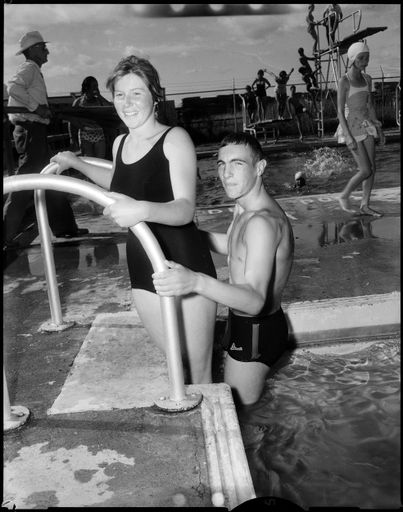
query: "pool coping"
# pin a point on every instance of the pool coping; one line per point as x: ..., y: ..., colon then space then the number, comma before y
x: 366, y: 315
x: 230, y: 480
x: 319, y: 321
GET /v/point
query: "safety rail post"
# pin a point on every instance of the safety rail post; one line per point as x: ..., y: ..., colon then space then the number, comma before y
x: 13, y: 417
x: 397, y: 107
x: 56, y: 323
x: 359, y: 13
x: 177, y: 400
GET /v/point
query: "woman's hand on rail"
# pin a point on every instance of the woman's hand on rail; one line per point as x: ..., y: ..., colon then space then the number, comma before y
x: 177, y: 280
x: 125, y: 210
x: 65, y: 160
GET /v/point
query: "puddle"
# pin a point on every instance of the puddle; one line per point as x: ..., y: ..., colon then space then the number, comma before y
x: 75, y: 256
x: 332, y: 233
x: 82, y: 256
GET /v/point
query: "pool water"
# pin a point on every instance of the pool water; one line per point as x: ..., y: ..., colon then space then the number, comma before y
x: 327, y: 430
x: 327, y: 171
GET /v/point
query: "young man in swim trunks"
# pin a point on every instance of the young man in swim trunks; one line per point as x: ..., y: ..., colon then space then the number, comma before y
x: 260, y: 246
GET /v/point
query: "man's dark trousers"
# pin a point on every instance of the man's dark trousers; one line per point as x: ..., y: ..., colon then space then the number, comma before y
x: 32, y: 147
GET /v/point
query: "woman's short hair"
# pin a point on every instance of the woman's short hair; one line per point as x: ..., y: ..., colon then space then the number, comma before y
x: 87, y: 83
x: 247, y: 140
x: 140, y: 67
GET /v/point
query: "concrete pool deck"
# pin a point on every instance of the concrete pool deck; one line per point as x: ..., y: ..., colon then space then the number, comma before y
x: 94, y: 437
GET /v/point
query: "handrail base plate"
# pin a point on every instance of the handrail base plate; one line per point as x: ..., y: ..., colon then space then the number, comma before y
x: 189, y: 402
x: 50, y: 326
x: 18, y: 417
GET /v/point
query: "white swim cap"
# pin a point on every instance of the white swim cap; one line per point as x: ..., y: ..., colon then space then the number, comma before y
x: 299, y: 175
x: 355, y: 49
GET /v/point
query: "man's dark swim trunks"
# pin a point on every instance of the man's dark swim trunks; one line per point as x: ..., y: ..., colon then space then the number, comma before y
x: 263, y: 339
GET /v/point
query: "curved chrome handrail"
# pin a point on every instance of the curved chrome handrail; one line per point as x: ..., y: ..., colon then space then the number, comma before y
x: 150, y: 245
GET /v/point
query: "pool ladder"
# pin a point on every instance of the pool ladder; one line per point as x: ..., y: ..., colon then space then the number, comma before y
x: 178, y: 400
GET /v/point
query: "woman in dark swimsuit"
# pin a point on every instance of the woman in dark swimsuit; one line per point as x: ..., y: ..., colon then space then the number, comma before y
x: 154, y: 180
x: 259, y: 86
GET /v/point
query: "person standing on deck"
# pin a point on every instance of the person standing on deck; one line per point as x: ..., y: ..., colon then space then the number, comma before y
x: 260, y: 247
x: 297, y: 110
x: 259, y: 86
x: 281, y: 90
x: 250, y: 103
x: 27, y: 89
x: 311, y: 29
x: 358, y: 127
x: 87, y: 134
x: 331, y: 19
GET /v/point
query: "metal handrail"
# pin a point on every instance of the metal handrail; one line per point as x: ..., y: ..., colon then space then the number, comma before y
x: 178, y: 400
x: 46, y: 245
x: 353, y: 15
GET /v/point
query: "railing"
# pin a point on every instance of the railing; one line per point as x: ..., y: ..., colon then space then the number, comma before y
x: 356, y: 25
x: 397, y: 102
x: 356, y: 15
x: 178, y: 400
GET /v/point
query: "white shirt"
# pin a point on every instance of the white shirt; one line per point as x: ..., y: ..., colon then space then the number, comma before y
x: 27, y: 89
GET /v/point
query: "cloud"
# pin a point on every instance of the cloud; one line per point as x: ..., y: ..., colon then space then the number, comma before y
x: 19, y: 16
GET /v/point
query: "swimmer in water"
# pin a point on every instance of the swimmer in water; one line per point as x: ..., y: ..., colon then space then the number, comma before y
x: 260, y: 247
x: 359, y: 127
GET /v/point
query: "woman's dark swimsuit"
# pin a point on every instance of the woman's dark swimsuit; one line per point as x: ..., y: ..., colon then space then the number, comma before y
x: 148, y: 179
x: 261, y: 338
x: 261, y: 89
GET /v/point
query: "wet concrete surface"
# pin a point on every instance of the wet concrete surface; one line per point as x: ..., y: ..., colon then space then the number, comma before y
x: 117, y: 458
x: 335, y: 256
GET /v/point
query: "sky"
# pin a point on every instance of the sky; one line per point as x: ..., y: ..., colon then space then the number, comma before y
x: 203, y: 53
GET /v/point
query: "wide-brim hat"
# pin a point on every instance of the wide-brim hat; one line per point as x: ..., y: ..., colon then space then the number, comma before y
x: 28, y: 40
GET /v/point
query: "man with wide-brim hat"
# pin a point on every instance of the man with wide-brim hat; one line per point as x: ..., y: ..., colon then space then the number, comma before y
x: 30, y: 39
x: 27, y: 89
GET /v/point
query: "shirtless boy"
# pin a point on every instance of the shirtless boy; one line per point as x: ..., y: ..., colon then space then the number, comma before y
x: 260, y: 245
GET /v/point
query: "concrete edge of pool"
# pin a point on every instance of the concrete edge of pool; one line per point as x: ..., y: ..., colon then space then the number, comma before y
x: 331, y: 320
x: 99, y: 384
x: 230, y: 481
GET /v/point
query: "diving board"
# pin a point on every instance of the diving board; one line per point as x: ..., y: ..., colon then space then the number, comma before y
x: 346, y: 42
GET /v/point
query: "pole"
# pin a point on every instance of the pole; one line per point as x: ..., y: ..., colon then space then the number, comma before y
x: 382, y: 96
x: 13, y: 417
x: 234, y: 104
